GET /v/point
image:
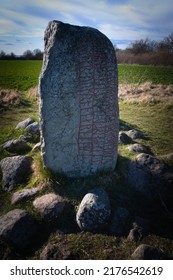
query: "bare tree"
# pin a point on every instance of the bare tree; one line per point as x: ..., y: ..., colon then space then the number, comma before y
x: 168, y: 41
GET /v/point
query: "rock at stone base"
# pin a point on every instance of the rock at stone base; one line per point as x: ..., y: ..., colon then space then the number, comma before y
x: 168, y: 156
x: 49, y: 205
x: 94, y: 211
x: 33, y: 128
x: 134, y: 134
x: 23, y: 195
x: 30, y: 138
x: 56, y: 252
x: 120, y: 222
x: 16, y: 146
x: 147, y: 252
x: 140, y: 229
x: 24, y: 123
x: 150, y: 176
x: 139, y: 148
x: 18, y: 227
x: 15, y: 170
x: 123, y: 138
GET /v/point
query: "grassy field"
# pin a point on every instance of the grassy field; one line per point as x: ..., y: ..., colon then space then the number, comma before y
x: 154, y: 119
x: 22, y: 75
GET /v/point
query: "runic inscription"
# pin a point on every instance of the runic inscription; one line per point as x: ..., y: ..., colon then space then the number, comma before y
x: 79, y: 107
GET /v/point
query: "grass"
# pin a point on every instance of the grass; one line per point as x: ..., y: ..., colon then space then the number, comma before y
x: 154, y: 74
x: 19, y: 75
x: 22, y: 75
x: 154, y: 119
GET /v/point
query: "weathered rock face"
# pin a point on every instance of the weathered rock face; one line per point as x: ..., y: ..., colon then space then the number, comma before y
x: 94, y: 211
x: 151, y: 176
x: 23, y: 195
x: 16, y: 146
x: 147, y: 252
x: 15, y: 170
x: 18, y: 227
x: 79, y: 105
x: 49, y: 205
x: 24, y: 123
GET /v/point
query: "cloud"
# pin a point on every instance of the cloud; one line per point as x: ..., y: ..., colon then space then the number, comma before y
x: 121, y: 20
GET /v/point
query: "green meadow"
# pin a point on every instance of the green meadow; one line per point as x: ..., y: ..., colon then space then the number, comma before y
x: 23, y: 74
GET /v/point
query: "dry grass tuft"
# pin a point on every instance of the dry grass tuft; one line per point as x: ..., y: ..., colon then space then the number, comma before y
x: 147, y: 92
x: 33, y: 93
x: 8, y: 97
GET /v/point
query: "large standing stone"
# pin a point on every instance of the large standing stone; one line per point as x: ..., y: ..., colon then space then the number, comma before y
x: 79, y: 105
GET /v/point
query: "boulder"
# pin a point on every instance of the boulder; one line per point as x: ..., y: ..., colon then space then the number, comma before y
x: 15, y: 170
x: 24, y: 123
x: 147, y: 252
x: 94, y: 210
x: 56, y: 252
x: 16, y: 146
x: 33, y: 128
x: 123, y: 138
x: 23, y: 195
x: 50, y: 206
x: 34, y: 138
x: 134, y: 134
x: 18, y: 227
x: 119, y: 222
x: 141, y: 228
x: 150, y: 176
x: 138, y: 148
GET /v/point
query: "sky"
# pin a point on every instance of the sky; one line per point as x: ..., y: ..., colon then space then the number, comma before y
x: 23, y: 22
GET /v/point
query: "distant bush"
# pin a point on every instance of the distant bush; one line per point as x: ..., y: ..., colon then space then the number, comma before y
x: 148, y: 52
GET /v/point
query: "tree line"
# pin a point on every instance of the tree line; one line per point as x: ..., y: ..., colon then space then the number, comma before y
x: 144, y: 51
x: 36, y: 54
x: 148, y: 52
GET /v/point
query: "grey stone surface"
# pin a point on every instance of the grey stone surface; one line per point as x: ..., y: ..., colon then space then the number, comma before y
x: 168, y: 156
x: 123, y: 138
x: 23, y: 195
x: 50, y: 206
x: 134, y: 134
x: 79, y: 104
x: 24, y: 123
x: 147, y: 252
x: 119, y: 222
x: 33, y: 128
x: 94, y: 210
x: 15, y: 171
x: 138, y: 148
x: 16, y: 146
x: 141, y: 228
x: 56, y: 252
x: 151, y: 176
x: 18, y: 227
